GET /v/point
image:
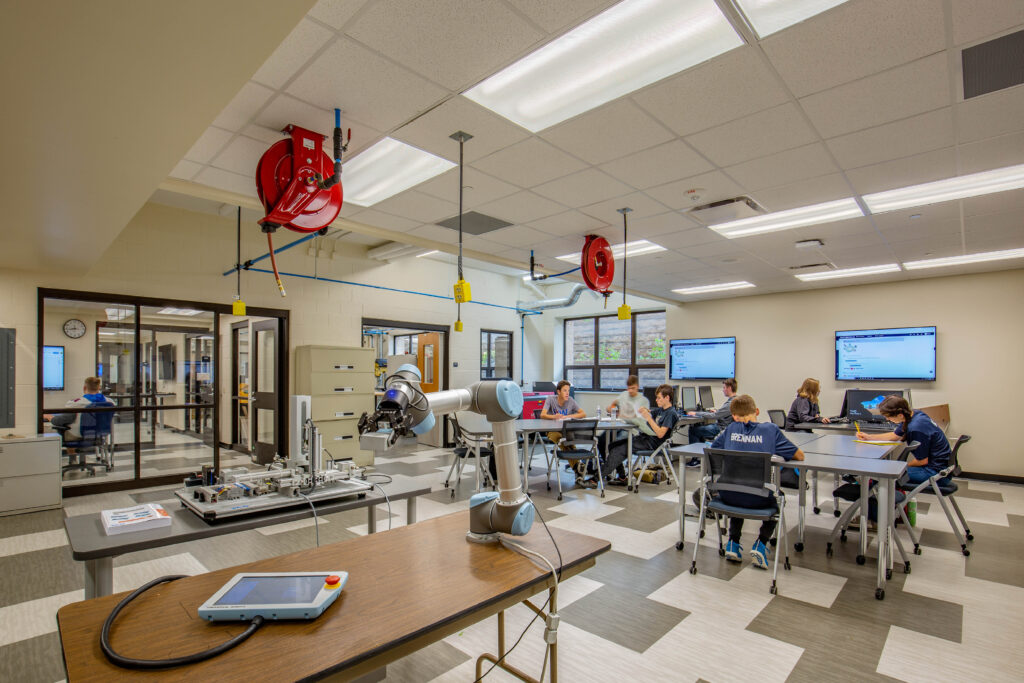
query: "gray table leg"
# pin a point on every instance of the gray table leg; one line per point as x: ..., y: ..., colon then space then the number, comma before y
x: 410, y: 510
x: 629, y: 455
x: 802, y: 513
x: 864, y: 500
x: 682, y: 503
x: 814, y: 492
x: 99, y: 577
x: 371, y: 519
x: 886, y: 491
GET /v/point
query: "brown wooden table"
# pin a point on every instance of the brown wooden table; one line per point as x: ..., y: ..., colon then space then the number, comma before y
x: 407, y: 588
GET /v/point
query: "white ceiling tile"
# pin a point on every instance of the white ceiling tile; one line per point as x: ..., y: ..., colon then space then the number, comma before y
x: 529, y: 163
x: 608, y: 132
x: 518, y: 236
x: 683, y: 240
x: 1005, y: 150
x: 784, y: 168
x: 431, y: 131
x: 185, y: 169
x: 657, y: 165
x: 653, y: 227
x: 452, y: 42
x: 998, y: 203
x: 993, y: 114
x: 921, y: 168
x: 284, y: 110
x: 267, y: 135
x: 365, y: 86
x: 714, y: 186
x: 521, y: 207
x: 855, y: 40
x: 336, y: 13
x: 569, y: 223
x: 240, y: 156
x: 977, y: 19
x: 904, y: 138
x: 641, y: 204
x: 910, y: 89
x: 226, y: 180
x: 559, y: 246
x: 580, y: 189
x: 754, y: 136
x: 437, y: 233
x: 243, y: 107
x: 418, y: 207
x: 480, y: 188
x: 380, y: 219
x: 209, y: 143
x: 291, y: 55
x: 836, y: 236
x: 552, y: 16
x: 933, y: 214
x: 732, y: 85
x: 811, y: 191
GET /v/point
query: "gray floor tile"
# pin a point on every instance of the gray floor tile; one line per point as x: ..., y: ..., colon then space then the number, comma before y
x: 623, y: 617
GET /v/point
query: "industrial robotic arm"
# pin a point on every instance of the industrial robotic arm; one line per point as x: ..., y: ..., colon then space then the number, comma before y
x: 405, y: 410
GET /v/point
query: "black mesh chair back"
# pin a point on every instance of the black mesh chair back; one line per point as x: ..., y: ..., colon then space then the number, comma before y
x: 778, y: 418
x: 740, y: 471
x: 579, y: 434
x: 964, y: 438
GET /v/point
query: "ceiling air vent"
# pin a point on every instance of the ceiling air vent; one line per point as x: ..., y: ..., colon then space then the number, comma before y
x: 830, y: 266
x: 474, y: 223
x: 726, y: 210
x: 995, y: 65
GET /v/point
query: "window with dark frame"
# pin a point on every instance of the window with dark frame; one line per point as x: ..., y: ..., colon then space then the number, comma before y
x: 600, y: 352
x: 495, y: 354
x: 405, y: 343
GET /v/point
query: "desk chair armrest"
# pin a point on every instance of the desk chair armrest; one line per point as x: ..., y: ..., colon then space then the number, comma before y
x: 718, y: 487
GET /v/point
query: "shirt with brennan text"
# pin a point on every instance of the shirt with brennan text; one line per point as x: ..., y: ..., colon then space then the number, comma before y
x: 759, y: 437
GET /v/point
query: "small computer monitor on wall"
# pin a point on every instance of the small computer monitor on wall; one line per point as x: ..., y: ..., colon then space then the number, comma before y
x: 53, y: 368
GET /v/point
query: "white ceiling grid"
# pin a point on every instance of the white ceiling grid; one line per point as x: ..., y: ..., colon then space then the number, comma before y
x: 861, y: 98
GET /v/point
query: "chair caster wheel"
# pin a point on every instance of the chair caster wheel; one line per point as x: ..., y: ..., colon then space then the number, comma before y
x: 888, y: 575
x: 549, y: 487
x: 799, y: 547
x: 679, y: 545
x: 787, y: 565
x: 721, y: 552
x: 861, y: 559
x: 559, y: 496
x: 836, y: 513
x: 828, y: 550
x: 906, y: 567
x: 602, y: 494
x: 693, y: 569
x: 879, y: 594
x: 702, y: 533
x: 773, y: 590
x: 773, y: 541
x: 966, y: 552
x: 970, y: 536
x: 446, y: 484
x: 917, y: 550
x: 817, y: 511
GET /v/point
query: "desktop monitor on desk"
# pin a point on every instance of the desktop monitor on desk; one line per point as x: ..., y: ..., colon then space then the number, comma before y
x: 862, y: 404
x: 544, y: 386
x: 707, y: 399
x: 688, y: 398
x: 651, y: 393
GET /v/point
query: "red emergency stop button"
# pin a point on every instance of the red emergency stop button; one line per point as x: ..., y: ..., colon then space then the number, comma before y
x: 332, y: 581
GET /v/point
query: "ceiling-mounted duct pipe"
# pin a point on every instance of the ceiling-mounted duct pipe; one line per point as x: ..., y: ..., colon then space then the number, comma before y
x: 562, y: 302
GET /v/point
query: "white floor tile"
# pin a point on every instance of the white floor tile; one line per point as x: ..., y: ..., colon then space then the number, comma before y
x: 13, y: 545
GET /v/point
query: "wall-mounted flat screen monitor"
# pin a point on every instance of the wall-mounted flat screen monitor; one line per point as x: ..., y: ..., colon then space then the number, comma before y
x: 692, y: 359
x: 53, y: 368
x: 906, y: 353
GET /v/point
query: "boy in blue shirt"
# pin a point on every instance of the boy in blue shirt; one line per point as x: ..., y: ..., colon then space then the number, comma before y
x: 745, y: 433
x: 932, y: 456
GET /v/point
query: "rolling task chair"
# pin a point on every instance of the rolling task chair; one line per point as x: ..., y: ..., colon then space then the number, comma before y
x: 742, y: 472
x: 652, y: 457
x: 943, y: 491
x: 578, y: 442
x: 468, y: 447
x: 96, y: 430
x: 778, y: 418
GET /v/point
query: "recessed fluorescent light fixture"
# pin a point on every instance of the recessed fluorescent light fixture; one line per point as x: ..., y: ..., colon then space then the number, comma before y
x: 714, y: 288
x: 636, y: 248
x: 387, y: 168
x: 770, y: 16
x: 426, y: 253
x: 973, y: 185
x: 178, y: 311
x: 119, y: 313
x: 802, y: 216
x: 626, y: 47
x: 966, y: 258
x: 849, y: 272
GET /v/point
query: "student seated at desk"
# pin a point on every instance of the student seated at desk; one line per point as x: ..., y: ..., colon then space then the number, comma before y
x: 630, y: 401
x: 657, y: 426
x: 745, y: 433
x: 67, y: 423
x: 723, y: 416
x: 932, y: 456
x: 805, y: 406
x: 560, y: 407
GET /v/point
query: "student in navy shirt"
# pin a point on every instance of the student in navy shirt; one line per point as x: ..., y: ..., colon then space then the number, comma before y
x: 745, y: 433
x: 932, y: 456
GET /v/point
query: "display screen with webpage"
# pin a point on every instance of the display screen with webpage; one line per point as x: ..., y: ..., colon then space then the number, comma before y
x: 712, y: 358
x: 893, y: 353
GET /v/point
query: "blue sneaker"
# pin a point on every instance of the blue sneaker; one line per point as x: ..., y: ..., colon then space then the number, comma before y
x: 759, y: 554
x: 733, y: 551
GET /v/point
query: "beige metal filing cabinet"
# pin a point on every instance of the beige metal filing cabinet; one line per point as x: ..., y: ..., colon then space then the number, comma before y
x: 30, y: 474
x: 340, y: 382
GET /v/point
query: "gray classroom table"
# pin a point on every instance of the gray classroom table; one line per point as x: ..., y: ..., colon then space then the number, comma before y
x: 844, y: 427
x: 89, y: 544
x: 863, y: 461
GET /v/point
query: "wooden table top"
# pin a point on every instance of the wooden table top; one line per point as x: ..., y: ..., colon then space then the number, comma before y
x: 404, y: 585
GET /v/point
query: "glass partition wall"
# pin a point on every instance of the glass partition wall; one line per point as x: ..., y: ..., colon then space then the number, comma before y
x: 140, y: 391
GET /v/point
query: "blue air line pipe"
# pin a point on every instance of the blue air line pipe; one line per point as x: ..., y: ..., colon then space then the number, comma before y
x: 247, y: 265
x: 394, y: 289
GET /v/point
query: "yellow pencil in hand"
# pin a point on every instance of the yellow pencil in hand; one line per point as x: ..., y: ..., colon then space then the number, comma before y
x: 856, y: 426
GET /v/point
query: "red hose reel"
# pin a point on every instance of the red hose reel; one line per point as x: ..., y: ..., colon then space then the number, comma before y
x: 597, y: 264
x: 287, y: 182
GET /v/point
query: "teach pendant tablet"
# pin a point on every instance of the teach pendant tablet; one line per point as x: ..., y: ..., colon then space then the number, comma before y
x: 274, y: 596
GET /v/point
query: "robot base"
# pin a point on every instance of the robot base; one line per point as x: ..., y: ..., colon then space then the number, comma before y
x: 488, y: 516
x: 483, y: 538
